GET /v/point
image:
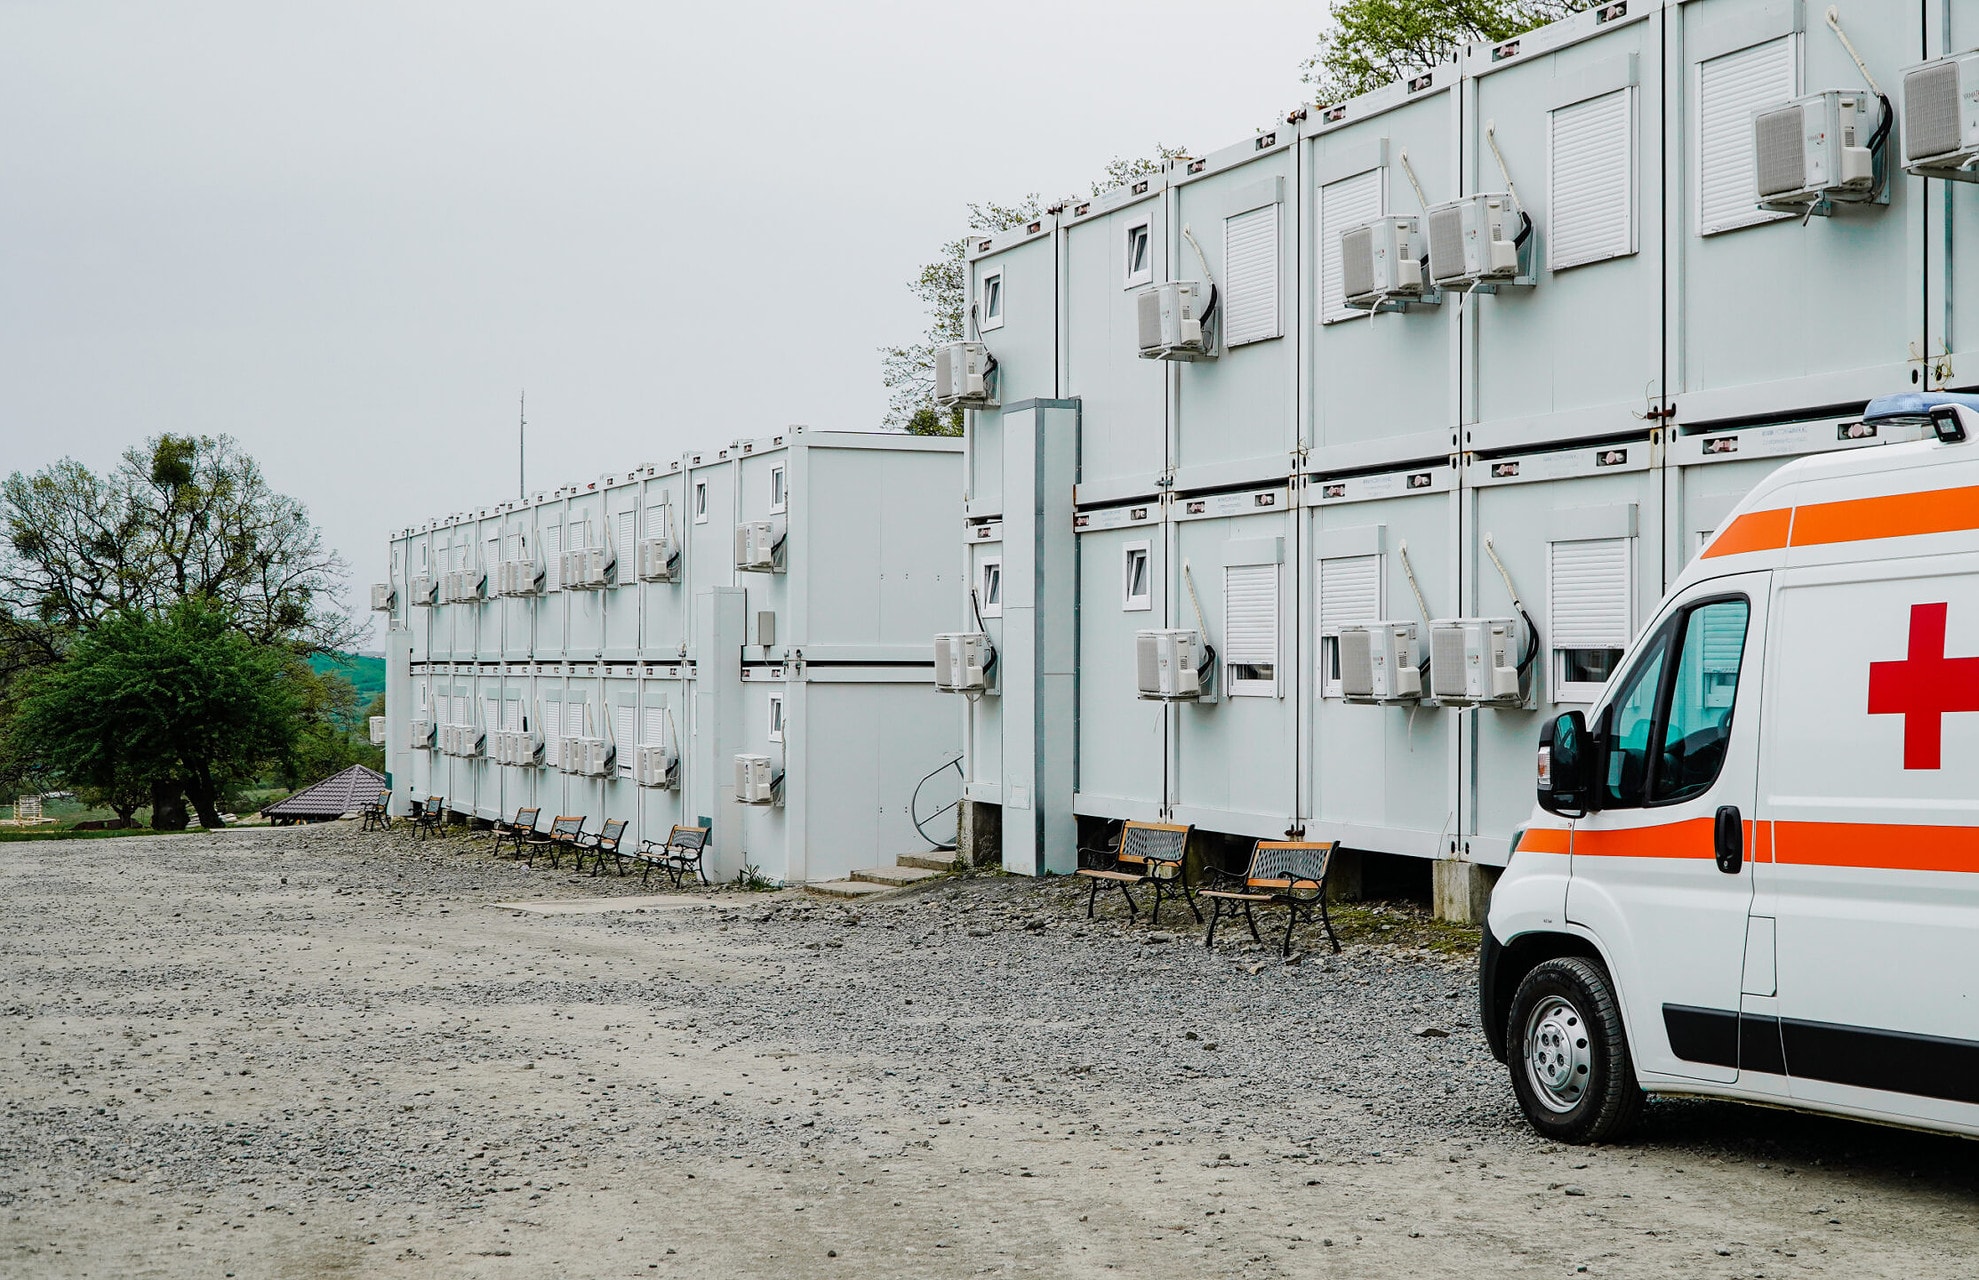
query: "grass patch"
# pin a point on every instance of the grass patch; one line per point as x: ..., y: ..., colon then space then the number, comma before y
x: 62, y: 833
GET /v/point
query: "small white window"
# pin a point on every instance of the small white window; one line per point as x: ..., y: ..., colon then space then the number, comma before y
x: 776, y: 717
x: 1728, y: 90
x: 1140, y: 255
x: 1590, y: 587
x: 989, y: 587
x: 989, y: 302
x: 1343, y: 204
x: 777, y: 502
x: 1591, y: 180
x: 1250, y: 630
x: 1137, y: 577
x: 1349, y: 595
x: 424, y: 561
x: 700, y: 502
x: 1250, y: 270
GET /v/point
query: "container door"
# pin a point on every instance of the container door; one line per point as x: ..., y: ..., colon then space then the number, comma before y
x: 1655, y: 876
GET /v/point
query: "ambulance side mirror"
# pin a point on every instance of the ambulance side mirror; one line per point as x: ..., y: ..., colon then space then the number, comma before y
x: 1566, y: 765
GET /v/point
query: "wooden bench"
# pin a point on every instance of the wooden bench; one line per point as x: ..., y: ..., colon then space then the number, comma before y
x: 513, y: 833
x: 377, y: 814
x: 563, y: 833
x: 427, y: 818
x: 675, y: 856
x: 1282, y: 873
x: 602, y: 845
x: 1149, y: 853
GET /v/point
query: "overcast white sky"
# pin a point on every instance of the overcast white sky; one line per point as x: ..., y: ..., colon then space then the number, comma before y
x: 348, y: 234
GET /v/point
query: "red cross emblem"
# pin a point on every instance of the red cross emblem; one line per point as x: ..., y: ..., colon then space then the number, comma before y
x: 1924, y: 687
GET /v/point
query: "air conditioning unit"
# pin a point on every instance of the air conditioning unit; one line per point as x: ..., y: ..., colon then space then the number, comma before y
x: 599, y: 757
x: 961, y: 659
x: 1941, y: 118
x: 464, y: 585
x: 659, y: 559
x: 754, y: 782
x: 421, y: 590
x: 377, y: 731
x: 1169, y: 665
x: 654, y: 766
x: 518, y: 578
x: 517, y: 746
x: 965, y: 376
x: 570, y: 753
x: 1381, y: 261
x: 1815, y: 150
x: 1474, y: 661
x: 1169, y: 322
x: 382, y: 596
x: 587, y: 568
x: 756, y: 543
x: 469, y: 741
x: 445, y: 736
x: 1474, y: 241
x: 419, y: 733
x: 1378, y: 663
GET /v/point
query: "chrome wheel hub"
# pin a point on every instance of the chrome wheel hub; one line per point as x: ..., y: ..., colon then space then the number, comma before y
x: 1558, y: 1060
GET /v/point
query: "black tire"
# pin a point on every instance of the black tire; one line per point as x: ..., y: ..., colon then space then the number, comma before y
x: 1574, y: 1078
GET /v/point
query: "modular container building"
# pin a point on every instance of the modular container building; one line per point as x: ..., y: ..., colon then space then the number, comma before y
x: 1501, y: 341
x: 612, y: 648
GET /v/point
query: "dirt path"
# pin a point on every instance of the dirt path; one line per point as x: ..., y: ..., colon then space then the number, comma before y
x: 309, y: 1053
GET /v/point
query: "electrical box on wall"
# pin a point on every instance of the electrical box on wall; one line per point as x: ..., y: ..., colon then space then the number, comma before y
x: 1378, y: 663
x: 1941, y: 118
x: 1816, y: 150
x: 965, y: 376
x: 659, y: 559
x: 754, y: 781
x: 758, y: 546
x: 1474, y: 661
x: 1169, y: 665
x: 1170, y: 323
x: 1478, y: 242
x: 382, y: 596
x: 962, y: 662
x: 1381, y: 264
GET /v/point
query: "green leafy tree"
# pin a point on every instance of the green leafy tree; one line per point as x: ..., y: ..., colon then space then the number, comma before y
x: 1369, y: 43
x: 182, y: 703
x: 942, y: 286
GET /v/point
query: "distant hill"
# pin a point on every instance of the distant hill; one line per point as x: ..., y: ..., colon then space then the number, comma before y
x: 366, y: 671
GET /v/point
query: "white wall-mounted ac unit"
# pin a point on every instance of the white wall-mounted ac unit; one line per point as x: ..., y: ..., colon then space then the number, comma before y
x: 1941, y: 118
x: 382, y: 596
x: 1474, y: 241
x: 1381, y: 261
x: 1168, y: 322
x: 518, y: 746
x: 518, y: 578
x: 961, y: 658
x: 570, y: 753
x: 462, y: 586
x: 757, y: 544
x: 1815, y: 150
x: 1474, y: 661
x: 420, y: 591
x: 419, y: 733
x: 377, y: 731
x: 755, y: 783
x: 654, y: 766
x: 1168, y: 665
x: 659, y: 559
x: 469, y: 741
x: 587, y: 568
x: 965, y: 376
x: 1378, y: 663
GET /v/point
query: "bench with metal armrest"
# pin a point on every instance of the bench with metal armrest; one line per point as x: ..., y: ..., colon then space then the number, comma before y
x: 513, y: 833
x: 563, y: 833
x: 427, y: 818
x: 1150, y: 853
x: 677, y: 855
x: 603, y: 845
x: 377, y: 814
x: 1282, y: 873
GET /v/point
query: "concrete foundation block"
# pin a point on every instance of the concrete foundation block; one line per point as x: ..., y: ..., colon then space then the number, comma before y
x: 1343, y: 876
x: 978, y: 834
x: 1461, y: 891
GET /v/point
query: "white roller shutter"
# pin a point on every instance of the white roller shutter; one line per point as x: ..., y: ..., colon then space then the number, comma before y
x: 552, y: 554
x: 626, y: 537
x: 1592, y: 180
x: 1729, y: 89
x: 512, y: 715
x: 1346, y: 203
x: 1250, y: 627
x: 1349, y: 592
x: 1588, y: 593
x: 1250, y: 269
x: 552, y: 732
x: 459, y: 713
x: 573, y: 718
x: 652, y: 728
x: 623, y: 723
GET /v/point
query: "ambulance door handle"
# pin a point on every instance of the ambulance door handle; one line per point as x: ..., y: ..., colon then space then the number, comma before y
x: 1729, y: 839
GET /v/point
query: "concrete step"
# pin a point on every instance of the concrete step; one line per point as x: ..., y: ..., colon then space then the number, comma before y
x: 928, y: 861
x: 845, y: 888
x: 894, y: 877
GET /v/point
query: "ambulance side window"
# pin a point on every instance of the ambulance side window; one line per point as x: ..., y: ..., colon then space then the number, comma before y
x: 1631, y: 720
x: 1699, y: 722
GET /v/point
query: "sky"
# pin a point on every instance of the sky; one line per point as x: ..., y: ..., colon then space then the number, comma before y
x: 349, y: 235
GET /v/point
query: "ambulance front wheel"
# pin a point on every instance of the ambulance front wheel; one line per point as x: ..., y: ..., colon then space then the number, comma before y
x: 1568, y: 1054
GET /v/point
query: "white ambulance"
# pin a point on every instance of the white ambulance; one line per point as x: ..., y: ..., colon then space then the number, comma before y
x: 1754, y: 869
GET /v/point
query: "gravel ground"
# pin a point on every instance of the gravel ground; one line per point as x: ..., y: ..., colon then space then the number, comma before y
x: 313, y: 1052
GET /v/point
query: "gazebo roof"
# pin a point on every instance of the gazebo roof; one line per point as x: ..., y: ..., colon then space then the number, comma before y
x: 334, y: 796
